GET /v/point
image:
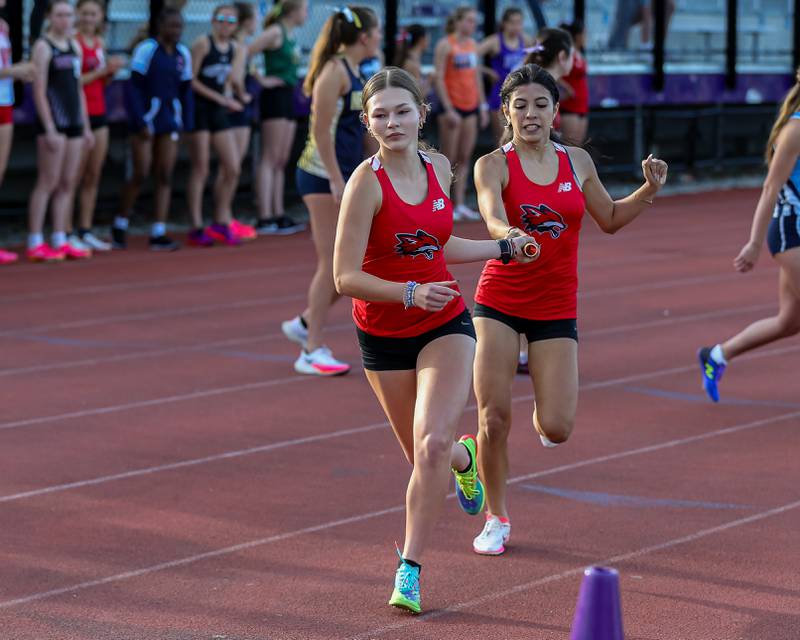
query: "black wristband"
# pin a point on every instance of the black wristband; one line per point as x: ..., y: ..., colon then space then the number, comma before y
x: 506, y: 250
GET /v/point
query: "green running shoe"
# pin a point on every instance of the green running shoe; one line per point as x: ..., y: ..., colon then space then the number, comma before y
x: 406, y: 587
x: 469, y: 488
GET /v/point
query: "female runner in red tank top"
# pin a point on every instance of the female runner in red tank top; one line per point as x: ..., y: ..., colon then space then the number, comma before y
x: 533, y: 185
x: 96, y: 73
x: 393, y: 243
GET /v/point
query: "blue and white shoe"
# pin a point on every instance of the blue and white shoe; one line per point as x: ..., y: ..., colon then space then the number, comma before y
x: 469, y: 488
x: 711, y: 371
x: 406, y: 587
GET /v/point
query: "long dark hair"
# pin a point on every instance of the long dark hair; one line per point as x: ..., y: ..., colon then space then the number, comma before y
x: 342, y: 28
x: 409, y: 38
x: 525, y: 75
x: 549, y: 43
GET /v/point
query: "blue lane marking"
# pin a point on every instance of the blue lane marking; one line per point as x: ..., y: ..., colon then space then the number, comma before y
x: 616, y: 500
x: 702, y: 398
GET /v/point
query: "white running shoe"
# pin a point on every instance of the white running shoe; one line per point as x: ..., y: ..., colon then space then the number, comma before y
x: 492, y: 540
x: 320, y: 362
x: 295, y: 331
x: 76, y: 243
x: 95, y: 243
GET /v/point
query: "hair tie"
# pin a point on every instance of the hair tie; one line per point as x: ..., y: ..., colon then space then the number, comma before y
x: 537, y: 48
x: 350, y: 16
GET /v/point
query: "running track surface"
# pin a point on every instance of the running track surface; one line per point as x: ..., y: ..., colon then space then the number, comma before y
x: 166, y: 475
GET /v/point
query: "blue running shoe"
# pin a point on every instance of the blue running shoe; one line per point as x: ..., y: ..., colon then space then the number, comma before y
x: 711, y: 371
x: 469, y: 488
x: 406, y: 587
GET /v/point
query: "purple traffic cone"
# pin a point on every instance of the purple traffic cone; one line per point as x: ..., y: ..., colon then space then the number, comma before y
x: 598, y: 614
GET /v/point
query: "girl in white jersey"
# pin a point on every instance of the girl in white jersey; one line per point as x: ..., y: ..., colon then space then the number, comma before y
x: 23, y: 71
x: 776, y: 219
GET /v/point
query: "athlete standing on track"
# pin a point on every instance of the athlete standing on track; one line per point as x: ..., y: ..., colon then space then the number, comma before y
x: 159, y: 104
x: 63, y: 131
x: 417, y: 340
x: 96, y: 72
x: 777, y: 218
x: 535, y: 186
x: 333, y: 150
x: 9, y: 72
x: 212, y: 61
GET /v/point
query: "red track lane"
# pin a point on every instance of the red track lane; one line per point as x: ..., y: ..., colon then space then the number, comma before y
x: 167, y: 475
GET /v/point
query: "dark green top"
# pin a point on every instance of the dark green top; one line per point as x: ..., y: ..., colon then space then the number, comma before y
x: 283, y: 61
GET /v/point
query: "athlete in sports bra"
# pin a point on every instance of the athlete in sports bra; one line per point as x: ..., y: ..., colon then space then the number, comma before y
x: 393, y: 244
x: 776, y: 219
x: 536, y: 186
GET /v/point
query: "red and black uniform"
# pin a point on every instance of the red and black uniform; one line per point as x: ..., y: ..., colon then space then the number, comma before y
x: 95, y: 91
x: 539, y: 298
x: 406, y: 243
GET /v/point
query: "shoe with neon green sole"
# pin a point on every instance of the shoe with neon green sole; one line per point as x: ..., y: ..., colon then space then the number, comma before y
x: 406, y: 587
x: 469, y: 488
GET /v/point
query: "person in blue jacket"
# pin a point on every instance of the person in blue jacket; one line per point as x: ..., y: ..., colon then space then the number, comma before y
x: 159, y: 102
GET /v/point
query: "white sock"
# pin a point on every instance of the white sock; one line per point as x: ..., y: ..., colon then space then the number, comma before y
x: 34, y: 240
x: 716, y: 355
x: 547, y: 443
x: 158, y: 229
x: 523, y: 357
x: 121, y: 223
x: 58, y: 239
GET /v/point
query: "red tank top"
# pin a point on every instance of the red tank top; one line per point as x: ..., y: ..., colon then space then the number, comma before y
x: 546, y: 289
x: 406, y: 242
x: 94, y: 91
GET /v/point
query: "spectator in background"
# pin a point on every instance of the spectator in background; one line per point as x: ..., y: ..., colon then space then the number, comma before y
x: 96, y: 72
x: 506, y: 50
x: 212, y: 61
x: 25, y: 72
x: 574, y: 87
x: 411, y: 44
x: 278, y: 121
x: 62, y: 131
x: 333, y: 150
x: 553, y: 50
x: 460, y: 89
x: 159, y: 104
x: 632, y: 12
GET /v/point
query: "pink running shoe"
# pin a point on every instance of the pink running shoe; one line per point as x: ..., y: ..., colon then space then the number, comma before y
x: 44, y: 253
x: 243, y: 231
x: 8, y: 257
x: 223, y: 233
x: 74, y: 253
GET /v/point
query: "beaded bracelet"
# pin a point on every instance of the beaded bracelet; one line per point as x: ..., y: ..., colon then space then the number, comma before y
x: 408, y: 294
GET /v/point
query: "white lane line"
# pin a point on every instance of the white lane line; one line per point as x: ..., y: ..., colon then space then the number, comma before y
x: 613, y: 560
x: 243, y: 304
x: 375, y: 514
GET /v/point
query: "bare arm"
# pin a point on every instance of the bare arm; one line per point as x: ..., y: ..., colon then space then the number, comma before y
x: 787, y: 150
x: 87, y: 127
x: 440, y: 62
x: 491, y: 176
x: 41, y: 60
x: 488, y: 46
x: 328, y: 88
x: 270, y: 39
x: 611, y: 215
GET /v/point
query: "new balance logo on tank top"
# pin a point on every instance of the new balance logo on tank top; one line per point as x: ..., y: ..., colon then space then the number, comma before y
x: 546, y: 289
x: 406, y: 242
